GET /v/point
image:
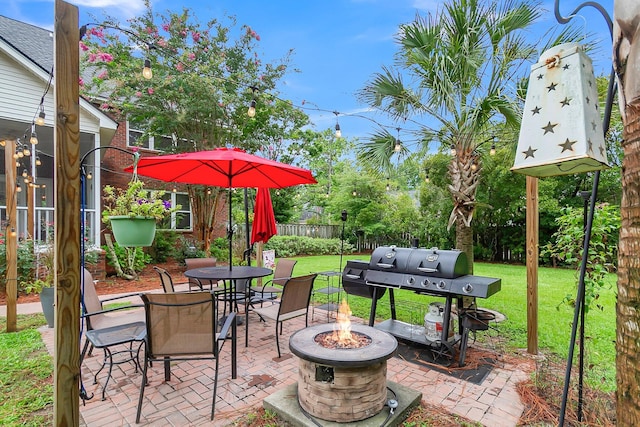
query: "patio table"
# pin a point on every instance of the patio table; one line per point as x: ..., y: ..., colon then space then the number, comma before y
x: 230, y: 276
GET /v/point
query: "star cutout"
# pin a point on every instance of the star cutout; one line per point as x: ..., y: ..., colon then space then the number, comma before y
x: 602, y: 150
x: 565, y: 67
x: 536, y: 110
x: 565, y: 102
x: 549, y: 128
x: 594, y: 125
x: 588, y: 100
x: 529, y: 153
x: 552, y: 86
x: 540, y: 76
x: 567, y: 145
x: 589, y: 145
x: 590, y: 83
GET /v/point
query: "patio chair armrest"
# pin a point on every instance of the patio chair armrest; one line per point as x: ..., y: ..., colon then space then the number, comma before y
x: 228, y: 323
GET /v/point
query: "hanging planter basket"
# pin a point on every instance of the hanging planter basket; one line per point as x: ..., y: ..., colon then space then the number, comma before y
x: 133, y: 231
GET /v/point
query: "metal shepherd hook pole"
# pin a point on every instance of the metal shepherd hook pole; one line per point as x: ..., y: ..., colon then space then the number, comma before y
x: 344, y: 220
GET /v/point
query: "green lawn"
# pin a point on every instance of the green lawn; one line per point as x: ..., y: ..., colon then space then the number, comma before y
x: 554, y: 317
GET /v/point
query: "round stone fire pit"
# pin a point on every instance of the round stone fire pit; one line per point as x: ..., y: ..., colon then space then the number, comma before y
x: 342, y: 384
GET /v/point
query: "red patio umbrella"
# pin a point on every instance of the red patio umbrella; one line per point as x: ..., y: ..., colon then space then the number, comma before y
x: 264, y: 222
x: 222, y: 167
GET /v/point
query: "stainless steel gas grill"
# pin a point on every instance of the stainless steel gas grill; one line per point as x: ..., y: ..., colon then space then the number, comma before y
x: 424, y: 271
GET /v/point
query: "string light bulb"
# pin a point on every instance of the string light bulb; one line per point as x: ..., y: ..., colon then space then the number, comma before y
x: 33, y: 140
x: 453, y: 150
x: 398, y: 145
x: 38, y: 161
x: 388, y: 185
x: 338, y: 131
x: 26, y: 151
x: 3, y: 143
x: 24, y: 173
x: 426, y: 175
x: 41, y: 116
x: 89, y: 175
x: 20, y: 154
x: 251, y: 112
x: 13, y: 233
x: 18, y: 188
x: 147, y: 72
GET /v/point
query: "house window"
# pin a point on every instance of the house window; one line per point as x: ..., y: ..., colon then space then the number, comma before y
x: 158, y: 143
x: 181, y: 219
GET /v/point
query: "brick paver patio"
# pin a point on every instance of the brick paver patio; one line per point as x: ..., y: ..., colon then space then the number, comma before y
x: 186, y: 399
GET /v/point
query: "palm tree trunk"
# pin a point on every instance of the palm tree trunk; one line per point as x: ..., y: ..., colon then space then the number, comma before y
x: 464, y: 241
x: 628, y: 306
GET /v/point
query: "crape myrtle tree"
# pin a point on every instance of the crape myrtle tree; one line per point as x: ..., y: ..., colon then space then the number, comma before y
x: 455, y: 78
x: 205, y: 76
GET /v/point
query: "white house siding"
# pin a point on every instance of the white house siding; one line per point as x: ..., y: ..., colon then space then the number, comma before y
x: 20, y: 93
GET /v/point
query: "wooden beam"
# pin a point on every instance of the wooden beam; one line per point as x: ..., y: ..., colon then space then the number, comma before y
x: 532, y: 264
x: 11, y: 240
x: 67, y: 215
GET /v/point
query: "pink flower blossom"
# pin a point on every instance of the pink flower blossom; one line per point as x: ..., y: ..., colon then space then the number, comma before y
x: 150, y: 91
x: 150, y: 30
x: 191, y: 56
x: 165, y: 26
x: 138, y: 94
x: 195, y: 37
x: 134, y: 149
x: 162, y: 43
x: 257, y: 36
x: 80, y: 81
x: 104, y: 106
x: 106, y: 57
x: 103, y: 75
x: 180, y: 67
x: 84, y: 47
x: 221, y: 104
x: 92, y: 57
x: 183, y: 33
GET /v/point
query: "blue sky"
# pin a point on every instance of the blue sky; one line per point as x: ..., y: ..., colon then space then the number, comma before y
x: 338, y: 44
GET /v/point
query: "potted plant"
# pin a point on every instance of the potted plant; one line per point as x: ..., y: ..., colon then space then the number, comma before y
x: 132, y: 213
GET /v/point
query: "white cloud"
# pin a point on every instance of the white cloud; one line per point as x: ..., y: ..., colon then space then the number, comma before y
x: 126, y: 8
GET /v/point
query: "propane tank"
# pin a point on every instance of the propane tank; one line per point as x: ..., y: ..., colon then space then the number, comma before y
x: 433, y: 321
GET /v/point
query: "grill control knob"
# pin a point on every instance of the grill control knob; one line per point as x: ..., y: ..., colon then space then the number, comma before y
x: 411, y: 280
x: 467, y: 289
x: 441, y: 285
x: 425, y: 283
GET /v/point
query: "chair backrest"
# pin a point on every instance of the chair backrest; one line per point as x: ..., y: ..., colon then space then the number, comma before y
x: 283, y: 271
x: 180, y: 324
x: 198, y: 263
x: 165, y: 278
x: 90, y: 301
x: 296, y: 294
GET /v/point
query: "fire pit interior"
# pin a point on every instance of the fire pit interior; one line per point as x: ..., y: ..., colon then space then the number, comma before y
x: 338, y: 380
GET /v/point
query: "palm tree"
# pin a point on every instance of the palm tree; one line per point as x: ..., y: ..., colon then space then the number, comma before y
x: 462, y: 65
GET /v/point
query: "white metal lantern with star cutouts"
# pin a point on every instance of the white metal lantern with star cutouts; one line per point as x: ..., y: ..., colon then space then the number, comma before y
x: 561, y: 131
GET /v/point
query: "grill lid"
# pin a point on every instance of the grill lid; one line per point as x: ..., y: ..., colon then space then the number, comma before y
x: 419, y: 261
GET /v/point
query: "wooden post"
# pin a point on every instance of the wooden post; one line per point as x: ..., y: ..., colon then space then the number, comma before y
x: 67, y: 215
x: 259, y: 262
x: 532, y: 264
x: 10, y: 237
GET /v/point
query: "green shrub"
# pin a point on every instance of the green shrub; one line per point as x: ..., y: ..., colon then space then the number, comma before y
x: 141, y: 259
x: 287, y: 246
x: 164, y: 246
x: 26, y: 262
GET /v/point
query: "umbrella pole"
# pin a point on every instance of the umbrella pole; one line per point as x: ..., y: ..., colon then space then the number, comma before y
x: 230, y: 233
x: 247, y: 252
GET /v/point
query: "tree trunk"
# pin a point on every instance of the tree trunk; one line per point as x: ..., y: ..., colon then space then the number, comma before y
x: 464, y: 241
x: 626, y: 62
x: 627, y: 314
